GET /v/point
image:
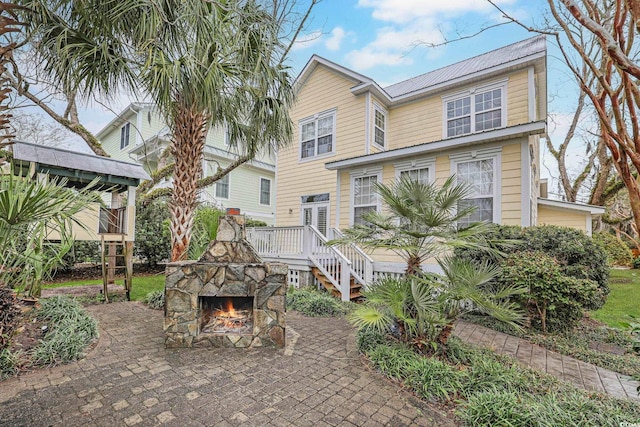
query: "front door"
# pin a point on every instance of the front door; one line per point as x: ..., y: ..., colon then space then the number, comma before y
x: 316, y: 214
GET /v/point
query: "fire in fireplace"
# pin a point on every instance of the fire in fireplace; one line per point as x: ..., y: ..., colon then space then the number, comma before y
x: 222, y: 315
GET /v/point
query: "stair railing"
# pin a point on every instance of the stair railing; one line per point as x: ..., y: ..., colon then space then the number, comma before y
x: 329, y: 260
x: 361, y: 263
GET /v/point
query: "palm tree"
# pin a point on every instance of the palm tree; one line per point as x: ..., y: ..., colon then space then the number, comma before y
x: 419, y: 221
x: 424, y: 308
x: 204, y: 63
x: 31, y: 211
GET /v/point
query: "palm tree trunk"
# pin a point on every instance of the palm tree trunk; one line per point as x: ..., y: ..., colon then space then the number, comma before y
x: 189, y: 134
x: 413, y: 265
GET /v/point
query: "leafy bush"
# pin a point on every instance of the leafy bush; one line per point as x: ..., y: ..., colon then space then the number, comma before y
x: 636, y: 263
x: 71, y: 330
x: 316, y: 304
x: 577, y: 254
x: 153, y: 238
x: 495, y: 390
x: 555, y: 301
x: 369, y: 338
x: 250, y: 222
x: 618, y: 253
x: 9, y: 315
x: 155, y: 300
x: 81, y: 251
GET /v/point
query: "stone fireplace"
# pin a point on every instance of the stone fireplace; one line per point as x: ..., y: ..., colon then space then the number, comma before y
x: 227, y: 298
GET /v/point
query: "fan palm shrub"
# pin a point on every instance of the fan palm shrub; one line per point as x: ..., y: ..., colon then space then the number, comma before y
x: 31, y: 212
x: 419, y: 221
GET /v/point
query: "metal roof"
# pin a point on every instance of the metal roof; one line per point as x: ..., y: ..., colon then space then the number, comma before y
x: 51, y: 158
x: 469, y: 66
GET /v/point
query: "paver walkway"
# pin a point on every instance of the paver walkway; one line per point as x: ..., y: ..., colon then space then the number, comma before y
x: 581, y: 374
x: 131, y: 379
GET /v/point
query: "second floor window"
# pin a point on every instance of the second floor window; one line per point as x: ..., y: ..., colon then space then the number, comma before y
x: 474, y: 112
x: 124, y: 136
x: 265, y: 191
x: 379, y: 127
x: 317, y: 135
x: 222, y: 188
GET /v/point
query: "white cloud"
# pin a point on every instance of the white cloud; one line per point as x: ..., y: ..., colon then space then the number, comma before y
x: 334, y: 41
x: 409, y: 10
x: 391, y: 46
x: 307, y: 40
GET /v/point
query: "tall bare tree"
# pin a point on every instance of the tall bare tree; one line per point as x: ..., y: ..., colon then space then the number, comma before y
x: 612, y: 60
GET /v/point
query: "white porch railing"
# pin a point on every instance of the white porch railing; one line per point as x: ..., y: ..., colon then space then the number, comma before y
x: 280, y: 242
x: 361, y: 263
x: 306, y: 242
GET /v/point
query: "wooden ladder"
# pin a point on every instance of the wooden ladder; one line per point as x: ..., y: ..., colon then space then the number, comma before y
x: 355, y: 291
x: 121, y: 262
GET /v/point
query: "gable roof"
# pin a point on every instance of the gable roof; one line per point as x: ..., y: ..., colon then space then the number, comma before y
x: 504, y: 55
x: 134, y: 107
x: 516, y: 55
x: 78, y: 167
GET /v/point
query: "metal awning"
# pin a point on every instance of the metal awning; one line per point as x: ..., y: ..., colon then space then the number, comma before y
x: 78, y: 168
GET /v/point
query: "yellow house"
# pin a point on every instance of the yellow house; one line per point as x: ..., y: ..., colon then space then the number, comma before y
x: 480, y: 119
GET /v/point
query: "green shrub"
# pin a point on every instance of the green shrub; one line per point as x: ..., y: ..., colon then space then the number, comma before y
x: 577, y: 254
x: 555, y: 301
x: 70, y: 331
x: 636, y: 263
x: 81, y: 251
x: 314, y: 303
x: 155, y: 300
x: 618, y: 253
x: 250, y: 222
x: 153, y: 237
x: 368, y: 338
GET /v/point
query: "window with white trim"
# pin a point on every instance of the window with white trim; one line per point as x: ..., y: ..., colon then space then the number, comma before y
x: 480, y: 176
x: 317, y: 135
x: 420, y: 175
x: 364, y: 197
x: 379, y: 126
x: 125, y: 132
x: 477, y: 111
x: 222, y: 187
x: 265, y: 191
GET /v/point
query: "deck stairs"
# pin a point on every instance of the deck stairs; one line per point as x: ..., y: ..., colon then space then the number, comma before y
x: 327, y: 261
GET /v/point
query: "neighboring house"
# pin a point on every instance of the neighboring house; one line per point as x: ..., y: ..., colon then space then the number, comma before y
x: 139, y: 134
x: 480, y: 119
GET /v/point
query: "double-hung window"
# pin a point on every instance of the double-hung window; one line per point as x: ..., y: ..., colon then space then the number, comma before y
x: 379, y: 126
x: 364, y: 195
x: 476, y: 111
x: 265, y: 191
x: 481, y: 177
x: 317, y: 135
x: 125, y: 132
x: 222, y: 187
x: 421, y: 175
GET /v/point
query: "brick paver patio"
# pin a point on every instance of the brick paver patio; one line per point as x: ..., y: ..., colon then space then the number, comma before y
x: 130, y: 379
x: 580, y: 374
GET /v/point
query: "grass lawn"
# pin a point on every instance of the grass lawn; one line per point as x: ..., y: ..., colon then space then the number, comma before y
x: 142, y: 285
x: 624, y: 299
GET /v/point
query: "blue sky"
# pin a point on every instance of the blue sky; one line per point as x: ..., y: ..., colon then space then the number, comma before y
x: 387, y: 41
